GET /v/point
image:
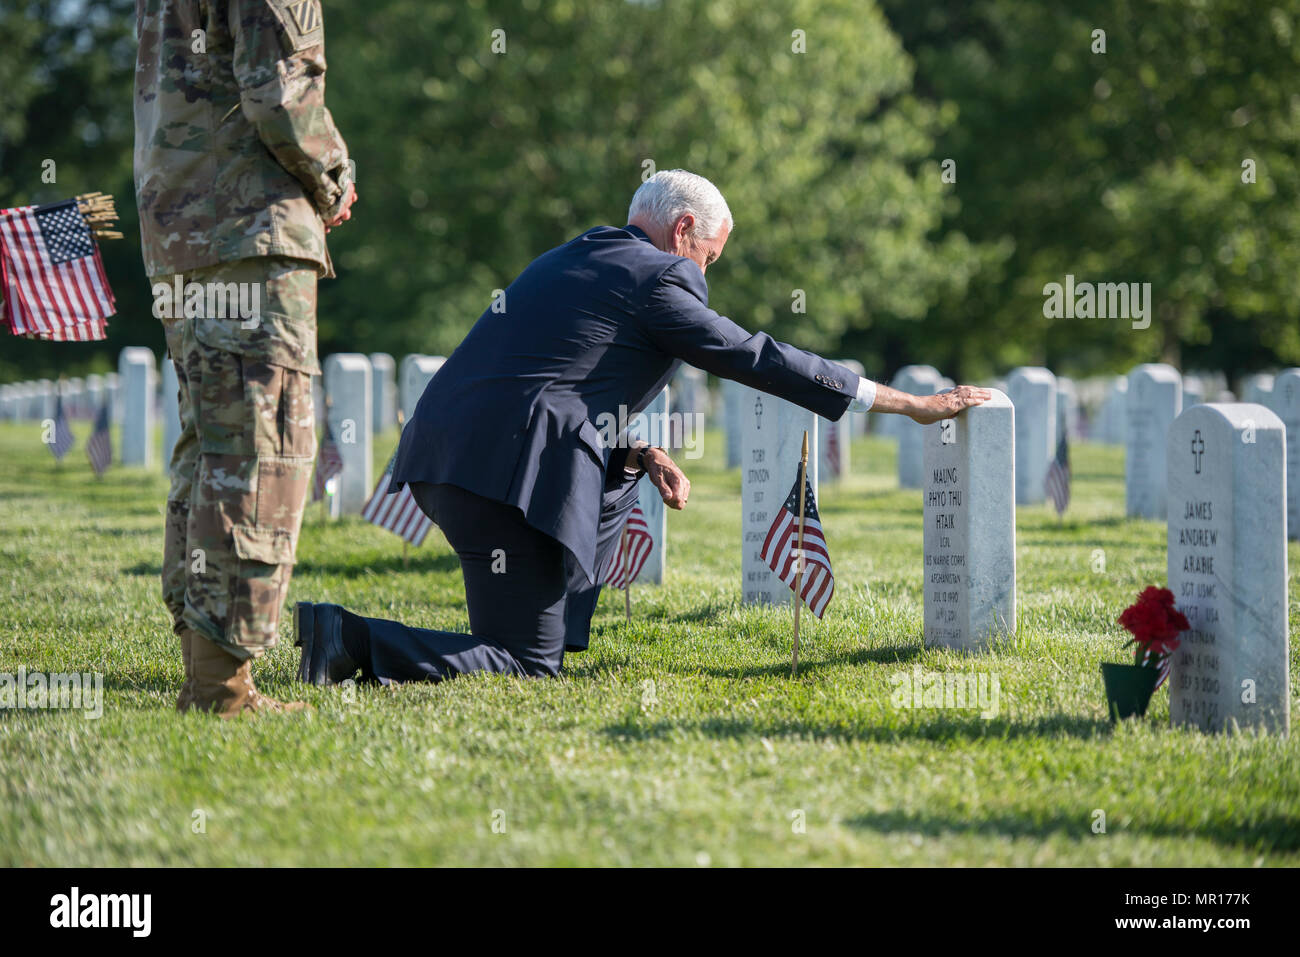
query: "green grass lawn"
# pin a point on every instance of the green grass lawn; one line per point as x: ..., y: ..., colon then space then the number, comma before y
x: 679, y: 739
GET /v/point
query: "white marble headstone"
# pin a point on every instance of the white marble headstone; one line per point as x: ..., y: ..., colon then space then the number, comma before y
x: 1032, y: 390
x: 137, y: 374
x: 1258, y: 388
x: 1154, y: 400
x: 94, y: 393
x: 415, y: 372
x: 383, y: 372
x: 348, y: 394
x: 171, y: 411
x: 113, y: 389
x: 1286, y: 405
x: 970, y: 527
x: 773, y: 432
x: 1228, y: 568
x: 1113, y: 412
x: 732, y: 393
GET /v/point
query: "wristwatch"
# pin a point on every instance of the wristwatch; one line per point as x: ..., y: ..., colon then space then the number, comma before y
x: 640, y: 456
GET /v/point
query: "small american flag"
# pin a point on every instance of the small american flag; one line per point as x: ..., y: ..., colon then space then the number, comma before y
x: 635, y: 543
x: 99, y: 447
x: 62, y: 439
x: 1165, y: 664
x: 783, y: 541
x: 397, y: 511
x: 833, y: 449
x: 1057, y: 483
x: 328, y: 464
x: 51, y: 274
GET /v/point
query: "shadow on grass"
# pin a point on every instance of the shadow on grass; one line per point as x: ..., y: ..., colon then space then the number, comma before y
x: 1272, y: 832
x: 946, y: 728
x: 417, y: 562
x: 890, y: 654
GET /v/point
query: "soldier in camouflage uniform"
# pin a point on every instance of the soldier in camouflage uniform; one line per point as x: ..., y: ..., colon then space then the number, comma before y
x: 239, y: 173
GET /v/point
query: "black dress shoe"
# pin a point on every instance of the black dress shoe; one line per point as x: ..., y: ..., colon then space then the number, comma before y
x: 318, y: 630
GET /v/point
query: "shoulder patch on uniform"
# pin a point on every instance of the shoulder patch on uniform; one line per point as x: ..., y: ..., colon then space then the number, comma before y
x: 302, y: 22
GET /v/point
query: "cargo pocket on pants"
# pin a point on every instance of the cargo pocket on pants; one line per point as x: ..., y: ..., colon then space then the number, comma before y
x: 265, y: 562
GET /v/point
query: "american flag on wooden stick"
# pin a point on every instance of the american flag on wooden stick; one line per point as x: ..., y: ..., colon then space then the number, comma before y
x: 397, y: 511
x: 329, y: 463
x: 635, y: 544
x: 99, y: 447
x: 52, y: 278
x: 783, y: 541
x: 62, y: 440
x: 1057, y: 483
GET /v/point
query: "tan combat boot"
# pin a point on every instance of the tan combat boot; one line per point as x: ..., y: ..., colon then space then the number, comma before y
x: 224, y: 684
x: 186, y: 697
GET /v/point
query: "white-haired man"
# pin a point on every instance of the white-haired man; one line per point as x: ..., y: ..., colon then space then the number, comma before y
x: 504, y: 455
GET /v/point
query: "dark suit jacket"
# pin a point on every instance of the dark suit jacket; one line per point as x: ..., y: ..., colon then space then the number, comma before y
x: 599, y: 322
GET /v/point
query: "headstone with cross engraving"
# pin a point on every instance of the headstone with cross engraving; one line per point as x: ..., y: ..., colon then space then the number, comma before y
x: 348, y: 393
x: 1154, y: 400
x: 1032, y: 390
x: 413, y: 376
x: 1286, y: 404
x: 970, y: 527
x: 773, y: 432
x: 138, y: 374
x: 653, y: 426
x: 1228, y: 568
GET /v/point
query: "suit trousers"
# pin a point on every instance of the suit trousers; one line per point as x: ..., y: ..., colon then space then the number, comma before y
x: 528, y: 600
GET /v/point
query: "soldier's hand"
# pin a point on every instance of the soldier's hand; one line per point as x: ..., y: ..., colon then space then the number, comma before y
x: 673, y: 485
x: 345, y: 209
x: 945, y: 405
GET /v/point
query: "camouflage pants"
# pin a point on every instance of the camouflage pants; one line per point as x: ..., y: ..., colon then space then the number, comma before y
x: 240, y: 469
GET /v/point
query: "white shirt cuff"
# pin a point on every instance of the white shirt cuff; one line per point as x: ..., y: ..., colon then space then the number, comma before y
x: 866, y: 396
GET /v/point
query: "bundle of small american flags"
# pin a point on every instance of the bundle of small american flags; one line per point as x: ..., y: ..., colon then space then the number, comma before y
x: 396, y: 511
x: 635, y: 545
x: 52, y: 281
x: 782, y: 544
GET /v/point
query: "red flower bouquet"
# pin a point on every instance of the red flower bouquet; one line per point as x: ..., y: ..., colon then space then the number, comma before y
x: 1155, y: 625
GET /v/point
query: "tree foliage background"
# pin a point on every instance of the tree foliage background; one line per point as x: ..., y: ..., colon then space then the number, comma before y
x: 1117, y: 166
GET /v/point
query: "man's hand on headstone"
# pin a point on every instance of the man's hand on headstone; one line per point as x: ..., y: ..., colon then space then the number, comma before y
x: 945, y: 405
x: 673, y: 485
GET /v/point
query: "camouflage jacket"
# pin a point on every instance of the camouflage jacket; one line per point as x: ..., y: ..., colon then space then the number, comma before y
x: 236, y: 154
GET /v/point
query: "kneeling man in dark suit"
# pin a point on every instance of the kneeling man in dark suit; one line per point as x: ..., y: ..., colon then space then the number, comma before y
x: 504, y: 455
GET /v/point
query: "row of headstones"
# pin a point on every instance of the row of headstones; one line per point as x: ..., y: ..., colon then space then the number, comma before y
x: 1226, y: 537
x: 34, y: 401
x: 1260, y: 389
